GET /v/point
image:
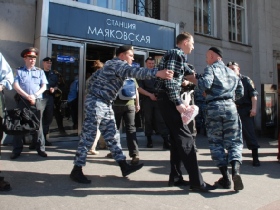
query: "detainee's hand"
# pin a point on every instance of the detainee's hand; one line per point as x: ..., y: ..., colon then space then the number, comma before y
x: 165, y: 74
x: 181, y: 108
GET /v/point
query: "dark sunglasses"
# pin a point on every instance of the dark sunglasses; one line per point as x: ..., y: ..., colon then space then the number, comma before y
x: 232, y: 63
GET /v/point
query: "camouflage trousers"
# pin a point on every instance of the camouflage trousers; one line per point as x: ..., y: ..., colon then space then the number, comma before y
x: 98, y: 115
x: 224, y: 132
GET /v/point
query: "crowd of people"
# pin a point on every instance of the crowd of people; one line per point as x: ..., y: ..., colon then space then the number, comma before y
x: 227, y: 101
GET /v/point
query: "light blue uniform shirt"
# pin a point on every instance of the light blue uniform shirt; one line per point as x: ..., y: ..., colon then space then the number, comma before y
x: 31, y: 80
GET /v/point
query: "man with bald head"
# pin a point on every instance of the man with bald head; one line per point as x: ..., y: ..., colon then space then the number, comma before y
x: 222, y: 87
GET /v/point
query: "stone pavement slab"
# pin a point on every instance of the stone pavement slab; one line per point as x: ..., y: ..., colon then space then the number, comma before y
x: 44, y: 183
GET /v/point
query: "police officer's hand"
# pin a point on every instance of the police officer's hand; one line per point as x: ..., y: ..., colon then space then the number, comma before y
x: 253, y: 113
x: 1, y: 87
x: 153, y: 97
x: 33, y: 102
x: 192, y: 78
x: 204, y: 94
x: 31, y: 99
x: 181, y: 108
x: 137, y: 108
x: 165, y: 74
x: 52, y: 90
x: 185, y: 83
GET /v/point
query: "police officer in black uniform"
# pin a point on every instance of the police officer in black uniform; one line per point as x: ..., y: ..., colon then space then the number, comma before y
x: 151, y: 110
x: 247, y: 109
x: 57, y: 104
x: 49, y: 96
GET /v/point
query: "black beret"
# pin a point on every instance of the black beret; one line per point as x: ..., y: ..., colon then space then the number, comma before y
x: 47, y: 59
x: 123, y: 48
x: 30, y: 52
x: 217, y: 50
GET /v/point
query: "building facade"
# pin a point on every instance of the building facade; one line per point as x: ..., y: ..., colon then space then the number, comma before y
x: 75, y: 33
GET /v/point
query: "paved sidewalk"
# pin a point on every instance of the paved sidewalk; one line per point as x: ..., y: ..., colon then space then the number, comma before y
x: 44, y: 183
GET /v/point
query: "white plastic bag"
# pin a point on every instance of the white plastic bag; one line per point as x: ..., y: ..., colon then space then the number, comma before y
x: 192, y: 110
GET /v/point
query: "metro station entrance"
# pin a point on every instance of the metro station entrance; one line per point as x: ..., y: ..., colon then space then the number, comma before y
x: 71, y: 59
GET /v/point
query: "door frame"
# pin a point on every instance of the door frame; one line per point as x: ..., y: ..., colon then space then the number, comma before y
x: 81, y: 73
x: 144, y: 53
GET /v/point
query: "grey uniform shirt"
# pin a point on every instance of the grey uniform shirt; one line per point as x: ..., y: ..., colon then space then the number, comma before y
x: 105, y: 83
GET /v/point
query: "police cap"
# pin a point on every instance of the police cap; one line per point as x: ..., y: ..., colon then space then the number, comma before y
x: 47, y: 59
x: 30, y: 52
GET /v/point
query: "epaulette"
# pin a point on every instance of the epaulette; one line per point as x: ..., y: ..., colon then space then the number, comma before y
x: 37, y: 68
x: 20, y: 67
x: 56, y: 72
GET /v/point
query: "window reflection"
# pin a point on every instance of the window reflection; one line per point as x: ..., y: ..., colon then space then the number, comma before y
x: 204, y: 16
x: 236, y: 20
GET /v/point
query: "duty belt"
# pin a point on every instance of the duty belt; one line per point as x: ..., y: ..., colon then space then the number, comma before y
x: 218, y: 99
x: 243, y: 105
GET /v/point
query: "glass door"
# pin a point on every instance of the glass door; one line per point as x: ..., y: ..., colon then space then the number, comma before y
x: 139, y: 58
x: 68, y: 61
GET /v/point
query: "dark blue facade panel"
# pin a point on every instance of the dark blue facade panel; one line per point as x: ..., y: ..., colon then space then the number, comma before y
x: 92, y: 25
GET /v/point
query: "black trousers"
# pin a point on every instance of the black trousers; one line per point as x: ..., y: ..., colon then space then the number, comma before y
x: 47, y: 113
x: 38, y: 138
x: 152, y: 113
x: 127, y: 113
x: 248, y: 127
x: 74, y: 111
x: 182, y: 142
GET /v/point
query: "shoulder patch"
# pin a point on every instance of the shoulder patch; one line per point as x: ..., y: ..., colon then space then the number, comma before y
x: 56, y: 72
x: 251, y: 82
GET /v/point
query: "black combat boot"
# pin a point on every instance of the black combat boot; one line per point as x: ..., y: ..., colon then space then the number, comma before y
x: 149, y: 142
x: 166, y: 142
x: 78, y: 176
x: 127, y: 168
x: 225, y: 180
x: 237, y: 181
x: 255, y: 156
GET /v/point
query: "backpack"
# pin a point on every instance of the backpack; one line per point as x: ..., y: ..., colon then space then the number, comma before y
x: 128, y: 90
